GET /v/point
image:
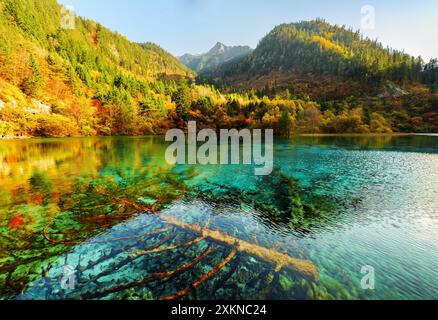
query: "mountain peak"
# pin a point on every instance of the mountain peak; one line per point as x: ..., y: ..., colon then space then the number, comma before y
x: 217, y: 55
x: 218, y: 48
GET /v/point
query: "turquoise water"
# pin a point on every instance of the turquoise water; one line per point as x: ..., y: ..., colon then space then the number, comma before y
x: 383, y: 213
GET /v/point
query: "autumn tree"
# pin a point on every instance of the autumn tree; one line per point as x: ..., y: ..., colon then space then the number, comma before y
x: 286, y: 122
x: 183, y: 101
x: 34, y: 82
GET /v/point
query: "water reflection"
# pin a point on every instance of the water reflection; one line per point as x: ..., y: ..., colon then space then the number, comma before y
x: 403, y: 143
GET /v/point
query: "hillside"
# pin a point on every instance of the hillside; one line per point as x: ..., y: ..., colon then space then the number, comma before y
x: 68, y: 80
x: 302, y: 56
x: 338, y: 68
x: 308, y: 77
x: 218, y: 55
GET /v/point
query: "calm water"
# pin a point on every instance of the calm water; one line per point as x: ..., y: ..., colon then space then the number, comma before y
x: 63, y: 220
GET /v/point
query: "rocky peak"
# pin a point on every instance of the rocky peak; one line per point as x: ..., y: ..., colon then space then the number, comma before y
x: 218, y: 48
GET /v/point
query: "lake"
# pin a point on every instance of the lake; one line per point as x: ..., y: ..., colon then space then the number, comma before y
x: 108, y: 218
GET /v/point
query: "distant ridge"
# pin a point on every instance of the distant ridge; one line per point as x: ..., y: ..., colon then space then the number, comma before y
x: 217, y: 55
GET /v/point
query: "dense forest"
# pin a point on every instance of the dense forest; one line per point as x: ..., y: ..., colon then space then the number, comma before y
x: 82, y: 81
x: 321, y: 49
x: 339, y: 69
x: 309, y: 77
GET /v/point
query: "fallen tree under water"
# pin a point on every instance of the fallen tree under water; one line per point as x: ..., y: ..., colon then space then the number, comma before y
x: 280, y: 260
x: 99, y: 204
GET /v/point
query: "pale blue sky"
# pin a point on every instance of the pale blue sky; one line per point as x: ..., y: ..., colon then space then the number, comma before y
x: 194, y: 26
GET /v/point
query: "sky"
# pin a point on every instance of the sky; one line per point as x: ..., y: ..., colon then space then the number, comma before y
x: 195, y: 26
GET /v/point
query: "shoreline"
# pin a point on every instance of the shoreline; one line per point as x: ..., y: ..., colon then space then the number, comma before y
x: 395, y: 134
x: 307, y: 135
x: 15, y: 138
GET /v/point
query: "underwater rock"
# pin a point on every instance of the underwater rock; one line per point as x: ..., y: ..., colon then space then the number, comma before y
x: 277, y: 197
x: 270, y: 278
x: 335, y: 288
x: 134, y: 295
x: 286, y: 283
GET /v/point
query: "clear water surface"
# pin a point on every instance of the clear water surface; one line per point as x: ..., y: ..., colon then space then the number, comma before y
x: 386, y: 216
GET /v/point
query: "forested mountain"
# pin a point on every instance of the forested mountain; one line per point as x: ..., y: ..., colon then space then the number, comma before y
x: 339, y: 69
x: 303, y: 56
x: 79, y: 78
x: 218, y: 55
